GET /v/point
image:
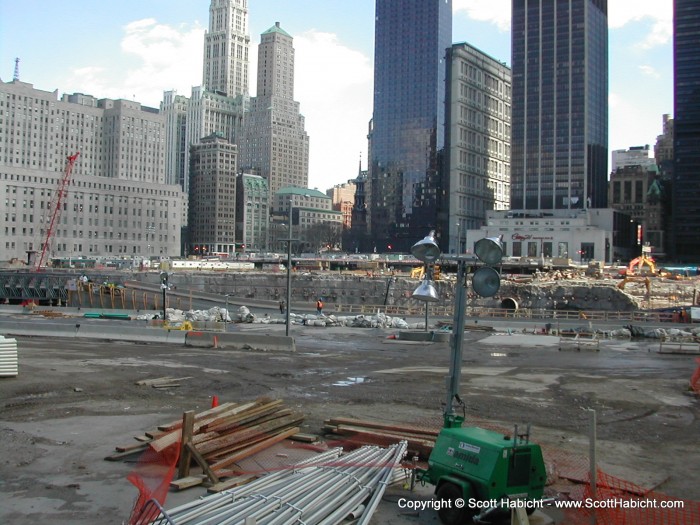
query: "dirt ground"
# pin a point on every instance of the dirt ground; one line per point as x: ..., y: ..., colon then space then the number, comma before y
x: 75, y: 400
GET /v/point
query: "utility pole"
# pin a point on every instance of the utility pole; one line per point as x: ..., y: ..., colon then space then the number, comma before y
x: 164, y: 287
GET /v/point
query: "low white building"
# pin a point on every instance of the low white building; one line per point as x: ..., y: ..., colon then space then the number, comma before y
x: 579, y: 235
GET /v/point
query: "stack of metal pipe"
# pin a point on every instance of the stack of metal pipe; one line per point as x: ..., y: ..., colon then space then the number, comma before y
x: 323, y: 490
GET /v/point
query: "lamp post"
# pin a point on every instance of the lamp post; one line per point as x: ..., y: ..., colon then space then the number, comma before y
x: 426, y: 251
x: 164, y: 285
x: 289, y: 273
x: 289, y: 267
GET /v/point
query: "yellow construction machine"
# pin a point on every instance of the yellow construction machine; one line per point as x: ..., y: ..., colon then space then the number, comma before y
x: 642, y: 265
x: 419, y: 272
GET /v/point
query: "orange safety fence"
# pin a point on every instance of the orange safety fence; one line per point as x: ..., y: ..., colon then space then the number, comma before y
x: 620, y: 502
x: 152, y: 476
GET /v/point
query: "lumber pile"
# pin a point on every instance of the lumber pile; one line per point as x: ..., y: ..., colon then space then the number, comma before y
x: 363, y: 432
x: 218, y: 438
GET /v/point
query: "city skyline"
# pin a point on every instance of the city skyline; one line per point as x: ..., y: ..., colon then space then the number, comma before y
x: 151, y: 47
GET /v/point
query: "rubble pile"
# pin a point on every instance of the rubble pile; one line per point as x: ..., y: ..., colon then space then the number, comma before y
x: 244, y: 315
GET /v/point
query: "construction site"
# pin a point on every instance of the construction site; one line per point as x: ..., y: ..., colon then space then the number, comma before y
x: 572, y: 386
x: 177, y: 394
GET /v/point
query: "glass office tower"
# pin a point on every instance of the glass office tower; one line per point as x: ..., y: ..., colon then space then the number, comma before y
x: 407, y: 130
x: 685, y: 233
x: 560, y: 104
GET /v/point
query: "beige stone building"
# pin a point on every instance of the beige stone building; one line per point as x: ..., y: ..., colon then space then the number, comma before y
x: 117, y: 203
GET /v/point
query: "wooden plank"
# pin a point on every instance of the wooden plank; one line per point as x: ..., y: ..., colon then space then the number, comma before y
x: 202, y: 463
x: 185, y: 483
x: 121, y: 455
x: 171, y: 437
x: 254, y: 419
x: 223, y: 452
x: 174, y: 425
x: 149, y: 382
x: 238, y: 456
x: 183, y: 470
x: 382, y: 426
x: 377, y: 437
x: 130, y: 448
x: 230, y: 483
x: 248, y: 432
x: 226, y: 419
x: 349, y: 429
x: 305, y: 438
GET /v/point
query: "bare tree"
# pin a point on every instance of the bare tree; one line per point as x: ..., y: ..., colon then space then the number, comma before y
x: 323, y: 235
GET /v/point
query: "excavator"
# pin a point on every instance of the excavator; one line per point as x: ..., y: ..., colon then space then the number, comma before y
x: 419, y: 272
x: 636, y: 279
x: 642, y: 265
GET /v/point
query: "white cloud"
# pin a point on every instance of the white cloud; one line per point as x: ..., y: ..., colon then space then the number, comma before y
x: 496, y: 12
x: 166, y: 58
x: 649, y: 71
x: 658, y: 12
x: 333, y: 84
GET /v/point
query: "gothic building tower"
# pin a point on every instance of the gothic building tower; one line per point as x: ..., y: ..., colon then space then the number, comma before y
x: 226, y: 45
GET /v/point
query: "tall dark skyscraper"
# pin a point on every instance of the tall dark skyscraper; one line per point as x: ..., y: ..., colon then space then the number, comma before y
x: 560, y: 104
x: 407, y: 132
x: 685, y: 233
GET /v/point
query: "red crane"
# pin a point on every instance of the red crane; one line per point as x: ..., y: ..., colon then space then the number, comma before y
x: 56, y: 206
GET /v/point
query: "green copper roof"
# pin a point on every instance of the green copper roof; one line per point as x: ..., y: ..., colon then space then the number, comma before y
x: 277, y: 29
x: 301, y: 191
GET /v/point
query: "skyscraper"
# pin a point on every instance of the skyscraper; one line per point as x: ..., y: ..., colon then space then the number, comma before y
x: 226, y: 45
x: 685, y: 233
x: 560, y: 104
x: 407, y: 132
x: 274, y: 142
x: 216, y: 107
x: 477, y: 140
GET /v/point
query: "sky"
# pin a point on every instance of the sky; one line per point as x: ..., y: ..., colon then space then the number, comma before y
x: 137, y: 49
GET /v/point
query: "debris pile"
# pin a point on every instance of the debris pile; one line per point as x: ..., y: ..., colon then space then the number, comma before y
x: 244, y: 315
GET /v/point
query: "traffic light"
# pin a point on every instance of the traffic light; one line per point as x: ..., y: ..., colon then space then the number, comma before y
x: 486, y: 280
x: 164, y: 280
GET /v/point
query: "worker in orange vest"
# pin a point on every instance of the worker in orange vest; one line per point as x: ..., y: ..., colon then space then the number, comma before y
x: 319, y: 307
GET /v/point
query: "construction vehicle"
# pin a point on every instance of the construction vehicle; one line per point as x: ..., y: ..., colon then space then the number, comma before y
x: 55, y: 208
x: 480, y: 475
x: 419, y: 272
x: 642, y: 265
x: 631, y: 279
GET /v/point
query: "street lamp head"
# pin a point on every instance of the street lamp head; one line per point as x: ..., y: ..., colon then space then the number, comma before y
x: 426, y: 250
x: 426, y: 292
x: 489, y: 250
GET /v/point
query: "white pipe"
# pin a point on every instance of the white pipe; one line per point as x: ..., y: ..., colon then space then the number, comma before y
x: 379, y: 491
x: 311, y: 494
x: 212, y: 502
x: 258, y: 505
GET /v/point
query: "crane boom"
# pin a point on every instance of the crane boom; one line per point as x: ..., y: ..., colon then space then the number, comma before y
x: 57, y: 207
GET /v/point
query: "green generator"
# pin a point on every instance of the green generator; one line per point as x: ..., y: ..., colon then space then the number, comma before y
x: 478, y: 472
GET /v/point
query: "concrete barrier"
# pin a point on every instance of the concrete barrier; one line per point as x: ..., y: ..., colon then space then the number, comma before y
x: 432, y: 336
x: 82, y: 330
x: 240, y: 341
